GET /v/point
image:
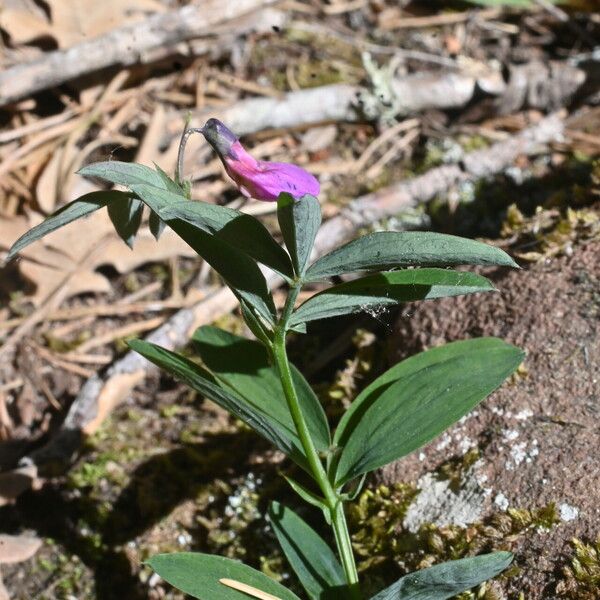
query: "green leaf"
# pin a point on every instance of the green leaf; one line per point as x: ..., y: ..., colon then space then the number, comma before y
x: 417, y: 399
x: 255, y: 324
x: 156, y: 224
x: 238, y: 229
x: 313, y: 561
x: 447, y: 579
x: 242, y: 365
x: 307, y: 495
x: 261, y: 418
x: 239, y: 271
x: 169, y: 184
x: 199, y: 574
x: 387, y: 289
x: 123, y: 173
x: 77, y: 209
x: 388, y: 249
x: 126, y: 216
x: 299, y: 221
x: 160, y: 193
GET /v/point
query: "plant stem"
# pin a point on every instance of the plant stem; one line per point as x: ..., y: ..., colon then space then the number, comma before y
x: 334, y: 502
x: 181, y: 152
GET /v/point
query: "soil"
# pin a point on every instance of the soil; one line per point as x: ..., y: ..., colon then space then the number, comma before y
x: 537, y: 438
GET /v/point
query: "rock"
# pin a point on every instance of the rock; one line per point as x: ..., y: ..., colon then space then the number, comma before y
x: 538, y: 437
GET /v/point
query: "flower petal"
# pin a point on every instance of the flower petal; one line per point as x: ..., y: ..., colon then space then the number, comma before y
x: 258, y: 179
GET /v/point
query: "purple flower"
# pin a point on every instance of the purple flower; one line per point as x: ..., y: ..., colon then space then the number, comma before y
x: 258, y: 179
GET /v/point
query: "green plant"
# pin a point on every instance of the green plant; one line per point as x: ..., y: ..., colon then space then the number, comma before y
x: 401, y: 410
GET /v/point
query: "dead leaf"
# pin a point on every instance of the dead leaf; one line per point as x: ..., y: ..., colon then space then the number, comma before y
x: 71, y: 21
x: 17, y: 548
x: 75, y: 21
x: 14, y: 483
x: 70, y: 256
x: 23, y: 21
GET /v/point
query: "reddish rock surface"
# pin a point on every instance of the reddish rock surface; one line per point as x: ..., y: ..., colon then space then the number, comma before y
x: 539, y: 435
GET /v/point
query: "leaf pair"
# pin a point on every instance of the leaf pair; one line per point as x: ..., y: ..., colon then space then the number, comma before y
x: 299, y: 221
x: 387, y: 250
x: 202, y: 576
x: 399, y: 412
x: 241, y: 380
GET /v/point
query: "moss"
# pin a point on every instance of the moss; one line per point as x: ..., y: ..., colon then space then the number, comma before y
x: 160, y: 272
x: 131, y: 283
x: 543, y: 518
x: 332, y: 46
x: 61, y: 345
x: 90, y: 474
x: 311, y: 73
x: 172, y: 410
x: 550, y: 232
x: 456, y: 468
x: 348, y: 380
x: 470, y: 143
x: 386, y: 550
x: 67, y: 575
x: 581, y: 578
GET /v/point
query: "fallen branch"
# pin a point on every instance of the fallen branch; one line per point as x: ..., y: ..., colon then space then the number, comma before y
x: 153, y: 39
x: 103, y: 392
x: 552, y: 87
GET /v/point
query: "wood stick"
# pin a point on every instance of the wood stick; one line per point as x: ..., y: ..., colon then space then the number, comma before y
x: 403, y: 22
x: 104, y: 391
x: 339, y: 102
x: 147, y: 41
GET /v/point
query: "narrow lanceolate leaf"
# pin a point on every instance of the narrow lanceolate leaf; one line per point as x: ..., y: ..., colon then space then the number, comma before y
x: 242, y: 365
x: 417, y: 399
x: 254, y: 323
x: 238, y: 229
x: 313, y: 561
x: 200, y: 576
x: 126, y: 216
x: 260, y: 418
x: 169, y: 184
x: 307, y: 495
x: 388, y: 249
x: 299, y: 221
x: 77, y: 209
x: 240, y: 272
x: 447, y: 579
x: 388, y: 289
x: 123, y: 173
x: 167, y: 199
x: 156, y: 224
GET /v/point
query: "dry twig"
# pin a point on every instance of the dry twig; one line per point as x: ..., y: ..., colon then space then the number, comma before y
x: 155, y: 37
